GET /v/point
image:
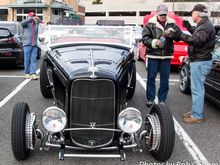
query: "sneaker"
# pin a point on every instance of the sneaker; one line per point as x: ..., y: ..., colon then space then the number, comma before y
x: 27, y: 76
x: 150, y: 103
x: 192, y: 120
x: 163, y: 103
x: 34, y: 77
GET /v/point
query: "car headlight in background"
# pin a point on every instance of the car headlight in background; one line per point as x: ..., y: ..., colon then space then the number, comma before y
x: 130, y: 120
x: 54, y: 119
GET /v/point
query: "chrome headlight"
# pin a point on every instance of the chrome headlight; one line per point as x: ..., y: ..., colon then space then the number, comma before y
x: 54, y: 119
x: 130, y: 120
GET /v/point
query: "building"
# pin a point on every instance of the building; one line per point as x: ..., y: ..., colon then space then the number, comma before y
x: 55, y: 11
x: 133, y: 11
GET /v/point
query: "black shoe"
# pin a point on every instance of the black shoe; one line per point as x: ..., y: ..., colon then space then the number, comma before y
x: 150, y: 103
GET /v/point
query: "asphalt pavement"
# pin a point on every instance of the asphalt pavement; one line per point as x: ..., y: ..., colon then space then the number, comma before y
x: 193, y: 142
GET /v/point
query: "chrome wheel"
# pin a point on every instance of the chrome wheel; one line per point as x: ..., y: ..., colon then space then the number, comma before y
x: 184, y: 83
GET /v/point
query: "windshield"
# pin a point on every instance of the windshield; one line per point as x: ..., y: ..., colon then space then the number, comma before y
x: 216, y: 51
x: 62, y: 34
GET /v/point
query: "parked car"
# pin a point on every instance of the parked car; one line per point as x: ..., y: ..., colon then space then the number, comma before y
x: 217, y: 30
x: 90, y: 79
x: 212, y: 82
x: 137, y: 33
x: 11, y: 47
x: 180, y: 52
x: 180, y: 48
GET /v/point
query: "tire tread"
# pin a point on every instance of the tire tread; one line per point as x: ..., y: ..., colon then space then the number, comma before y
x: 167, y: 133
x: 18, y: 131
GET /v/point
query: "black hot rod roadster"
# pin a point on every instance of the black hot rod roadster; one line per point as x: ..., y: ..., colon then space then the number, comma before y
x: 90, y: 73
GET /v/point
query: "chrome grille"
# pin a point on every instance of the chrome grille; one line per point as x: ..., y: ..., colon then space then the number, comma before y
x: 92, y: 106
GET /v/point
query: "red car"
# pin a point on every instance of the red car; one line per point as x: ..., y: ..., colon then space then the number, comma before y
x: 180, y: 48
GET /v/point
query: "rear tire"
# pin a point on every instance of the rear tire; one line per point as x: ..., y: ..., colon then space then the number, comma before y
x: 18, y: 131
x: 44, y: 82
x: 167, y: 139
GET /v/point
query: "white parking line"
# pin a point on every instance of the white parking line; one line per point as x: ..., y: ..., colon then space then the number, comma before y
x: 10, y: 76
x: 14, y: 92
x: 170, y: 80
x: 184, y: 137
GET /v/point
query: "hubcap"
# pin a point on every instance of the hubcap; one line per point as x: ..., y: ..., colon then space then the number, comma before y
x: 154, y: 132
x: 30, y: 132
x: 183, y: 78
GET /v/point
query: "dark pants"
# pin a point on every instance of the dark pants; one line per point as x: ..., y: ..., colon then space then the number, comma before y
x: 163, y: 67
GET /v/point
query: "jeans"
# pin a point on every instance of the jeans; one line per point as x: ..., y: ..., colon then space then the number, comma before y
x: 163, y: 67
x: 198, y: 72
x: 30, y: 55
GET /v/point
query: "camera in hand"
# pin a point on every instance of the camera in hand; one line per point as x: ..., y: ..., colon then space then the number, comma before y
x: 186, y: 24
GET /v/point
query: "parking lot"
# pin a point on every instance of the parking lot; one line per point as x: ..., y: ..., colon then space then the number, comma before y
x: 197, y: 142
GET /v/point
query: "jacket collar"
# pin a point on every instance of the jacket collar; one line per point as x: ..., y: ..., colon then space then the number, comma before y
x: 154, y: 20
x: 202, y: 20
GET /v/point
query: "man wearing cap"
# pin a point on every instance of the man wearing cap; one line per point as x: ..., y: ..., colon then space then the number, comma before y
x: 159, y: 53
x: 30, y: 27
x: 201, y: 44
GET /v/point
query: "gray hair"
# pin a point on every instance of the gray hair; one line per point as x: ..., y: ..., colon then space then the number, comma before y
x: 202, y: 14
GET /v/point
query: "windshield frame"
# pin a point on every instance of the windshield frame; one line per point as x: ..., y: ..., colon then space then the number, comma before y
x: 57, y: 35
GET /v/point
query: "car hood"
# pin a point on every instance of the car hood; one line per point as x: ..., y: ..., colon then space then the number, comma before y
x: 90, y: 60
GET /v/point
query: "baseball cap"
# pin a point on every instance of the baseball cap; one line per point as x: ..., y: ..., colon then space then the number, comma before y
x: 200, y: 8
x: 31, y: 14
x: 162, y: 9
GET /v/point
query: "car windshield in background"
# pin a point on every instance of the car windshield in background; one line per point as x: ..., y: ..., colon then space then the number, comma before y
x: 138, y: 32
x: 61, y: 34
x: 11, y: 27
x: 4, y: 33
x: 216, y: 52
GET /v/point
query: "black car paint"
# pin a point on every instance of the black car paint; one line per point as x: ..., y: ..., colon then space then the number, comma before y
x: 90, y: 83
x: 68, y: 65
x: 212, y: 83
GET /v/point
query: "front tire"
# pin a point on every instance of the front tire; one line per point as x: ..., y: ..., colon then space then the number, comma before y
x: 18, y: 131
x: 166, y: 137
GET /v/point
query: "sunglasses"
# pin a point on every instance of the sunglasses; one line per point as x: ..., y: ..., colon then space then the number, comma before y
x: 163, y: 15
